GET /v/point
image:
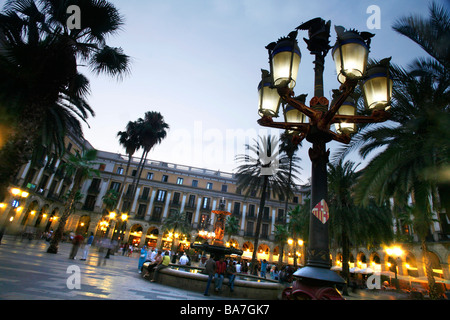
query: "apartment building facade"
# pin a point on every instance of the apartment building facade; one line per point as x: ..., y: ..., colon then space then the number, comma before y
x: 167, y: 187
x: 162, y: 189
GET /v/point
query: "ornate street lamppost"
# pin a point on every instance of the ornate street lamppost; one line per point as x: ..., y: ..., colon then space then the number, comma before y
x: 350, y: 53
x: 113, y: 220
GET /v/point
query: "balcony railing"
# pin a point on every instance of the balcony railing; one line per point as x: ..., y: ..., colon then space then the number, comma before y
x: 236, y: 213
x: 190, y: 205
x: 176, y: 204
x: 143, y: 197
x: 155, y: 218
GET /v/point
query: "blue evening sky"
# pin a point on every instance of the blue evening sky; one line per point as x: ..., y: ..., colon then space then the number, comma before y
x: 198, y: 63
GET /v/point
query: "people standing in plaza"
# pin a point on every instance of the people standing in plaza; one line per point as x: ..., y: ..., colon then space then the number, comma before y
x: 87, y: 246
x: 231, y: 274
x: 151, y: 256
x: 164, y: 263
x: 221, y: 266
x: 202, y: 263
x: 103, y: 245
x: 2, y: 232
x: 210, y: 269
x: 184, y: 259
x: 273, y: 273
x: 238, y: 267
x: 124, y: 249
x: 282, y: 276
x: 142, y: 258
x: 155, y: 262
x: 76, y: 241
x: 262, y: 272
x: 244, y: 267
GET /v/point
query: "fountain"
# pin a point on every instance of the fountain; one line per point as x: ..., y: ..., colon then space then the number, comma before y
x: 217, y: 247
x: 246, y: 286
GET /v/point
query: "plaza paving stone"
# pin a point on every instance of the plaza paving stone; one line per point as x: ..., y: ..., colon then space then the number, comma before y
x: 27, y: 272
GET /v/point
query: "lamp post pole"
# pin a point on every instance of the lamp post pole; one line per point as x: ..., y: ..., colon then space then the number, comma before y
x: 316, y: 280
x: 317, y: 270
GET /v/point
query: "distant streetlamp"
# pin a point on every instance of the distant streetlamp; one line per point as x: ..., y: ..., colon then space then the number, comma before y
x: 350, y: 53
x: 15, y: 204
x: 396, y: 253
x: 112, y: 224
x: 297, y: 243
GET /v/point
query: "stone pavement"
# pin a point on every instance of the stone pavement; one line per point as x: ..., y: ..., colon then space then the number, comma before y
x: 27, y: 272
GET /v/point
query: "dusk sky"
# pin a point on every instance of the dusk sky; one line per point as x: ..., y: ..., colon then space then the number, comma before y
x: 198, y: 63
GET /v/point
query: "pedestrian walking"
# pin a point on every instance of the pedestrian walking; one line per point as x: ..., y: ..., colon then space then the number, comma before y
x: 104, y: 245
x: 244, y: 267
x: 263, y: 269
x: 87, y: 246
x: 231, y: 274
x: 210, y: 269
x: 238, y: 267
x: 184, y: 259
x: 202, y: 263
x: 2, y: 232
x: 142, y: 258
x: 221, y: 266
x: 76, y: 241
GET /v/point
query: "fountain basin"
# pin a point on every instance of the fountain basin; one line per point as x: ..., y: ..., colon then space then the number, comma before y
x: 245, y: 286
x: 218, y: 251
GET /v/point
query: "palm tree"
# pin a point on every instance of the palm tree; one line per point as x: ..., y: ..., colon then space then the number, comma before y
x: 281, y: 237
x: 176, y: 222
x: 150, y: 131
x: 433, y: 34
x: 110, y: 199
x: 432, y: 81
x: 80, y: 166
x: 415, y: 154
x: 129, y: 140
x: 416, y: 151
x: 296, y: 225
x: 350, y: 223
x: 289, y: 145
x: 262, y: 174
x: 231, y: 226
x: 42, y: 92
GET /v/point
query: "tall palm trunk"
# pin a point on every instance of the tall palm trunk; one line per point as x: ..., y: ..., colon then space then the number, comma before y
x: 345, y: 259
x: 123, y: 182
x: 139, y: 172
x: 135, y: 182
x: 57, y: 236
x: 137, y: 177
x: 429, y: 271
x: 280, y: 257
x: 262, y: 203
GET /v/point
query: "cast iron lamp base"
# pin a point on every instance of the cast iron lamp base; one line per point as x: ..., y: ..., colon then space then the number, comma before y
x: 314, y: 283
